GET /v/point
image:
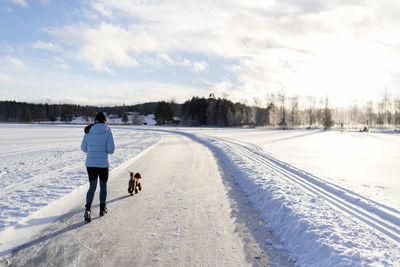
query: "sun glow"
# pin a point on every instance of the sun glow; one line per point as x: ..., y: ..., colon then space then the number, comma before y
x: 343, y: 70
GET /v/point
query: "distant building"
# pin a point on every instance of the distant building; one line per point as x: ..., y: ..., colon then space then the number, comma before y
x: 113, y: 116
x: 176, y: 121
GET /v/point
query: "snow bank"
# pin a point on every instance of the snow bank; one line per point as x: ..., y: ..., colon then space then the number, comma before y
x: 319, y: 223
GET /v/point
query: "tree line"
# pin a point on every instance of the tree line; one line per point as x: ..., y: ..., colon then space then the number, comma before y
x: 279, y: 111
x: 222, y: 112
x: 194, y: 112
x: 12, y: 111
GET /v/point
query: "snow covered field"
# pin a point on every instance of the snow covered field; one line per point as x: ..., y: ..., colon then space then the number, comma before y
x: 330, y: 197
x: 366, y: 163
x: 346, y: 215
x: 40, y: 164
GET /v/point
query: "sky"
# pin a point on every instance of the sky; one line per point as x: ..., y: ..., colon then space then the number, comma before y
x: 123, y: 52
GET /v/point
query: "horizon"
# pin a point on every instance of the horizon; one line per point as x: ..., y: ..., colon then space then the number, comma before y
x: 114, y: 53
x: 302, y: 101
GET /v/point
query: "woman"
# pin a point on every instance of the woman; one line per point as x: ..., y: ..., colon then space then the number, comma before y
x: 97, y: 142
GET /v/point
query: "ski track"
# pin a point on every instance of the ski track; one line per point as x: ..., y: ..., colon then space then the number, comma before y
x: 379, y: 217
x: 378, y: 224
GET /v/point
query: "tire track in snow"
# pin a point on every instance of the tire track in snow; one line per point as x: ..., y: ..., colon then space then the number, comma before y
x: 380, y: 218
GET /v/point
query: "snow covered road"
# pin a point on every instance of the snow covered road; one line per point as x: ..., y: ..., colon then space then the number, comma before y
x: 189, y: 213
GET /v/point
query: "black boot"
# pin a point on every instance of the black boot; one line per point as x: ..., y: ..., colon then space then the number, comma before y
x: 103, y: 209
x: 87, y: 215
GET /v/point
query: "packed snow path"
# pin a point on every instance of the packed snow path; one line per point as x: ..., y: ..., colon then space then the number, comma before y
x: 189, y: 213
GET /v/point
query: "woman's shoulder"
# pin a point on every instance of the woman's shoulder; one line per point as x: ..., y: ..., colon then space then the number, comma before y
x: 98, y: 128
x: 108, y: 131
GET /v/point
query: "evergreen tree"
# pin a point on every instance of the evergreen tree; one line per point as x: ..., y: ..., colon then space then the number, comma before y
x: 125, y: 118
x: 88, y: 113
x: 67, y: 113
x: 164, y: 113
x: 53, y: 112
x: 27, y: 117
x: 262, y: 116
x: 327, y: 121
x: 221, y: 113
x: 211, y: 112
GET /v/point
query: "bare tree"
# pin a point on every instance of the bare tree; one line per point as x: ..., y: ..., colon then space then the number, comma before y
x: 354, y: 113
x: 137, y: 119
x: 294, y: 112
x: 311, y: 110
x: 385, y: 106
x: 271, y: 106
x: 370, y: 114
x: 257, y: 102
x: 396, y: 112
x: 282, y: 108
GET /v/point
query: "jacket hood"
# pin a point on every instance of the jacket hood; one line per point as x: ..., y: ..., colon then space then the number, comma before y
x: 98, y: 128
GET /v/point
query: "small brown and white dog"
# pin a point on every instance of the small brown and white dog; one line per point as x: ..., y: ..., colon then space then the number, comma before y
x: 134, y: 183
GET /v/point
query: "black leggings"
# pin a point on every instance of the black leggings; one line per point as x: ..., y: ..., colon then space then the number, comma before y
x: 94, y: 172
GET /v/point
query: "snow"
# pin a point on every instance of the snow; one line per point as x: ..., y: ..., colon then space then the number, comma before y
x: 148, y: 120
x: 189, y: 213
x: 330, y: 197
x: 42, y: 173
x: 320, y: 222
x: 366, y: 163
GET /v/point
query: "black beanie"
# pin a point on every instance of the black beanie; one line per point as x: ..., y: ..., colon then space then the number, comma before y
x: 100, y: 118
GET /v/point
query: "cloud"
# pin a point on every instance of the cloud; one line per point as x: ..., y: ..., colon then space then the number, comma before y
x: 102, y: 10
x: 4, y: 79
x: 162, y: 60
x: 104, y: 46
x: 47, y: 46
x: 302, y: 46
x: 13, y: 61
x: 166, y: 58
x: 45, y: 2
x: 61, y: 64
x: 186, y: 62
x: 200, y: 66
x: 22, y: 3
x: 204, y: 27
x: 6, y: 10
